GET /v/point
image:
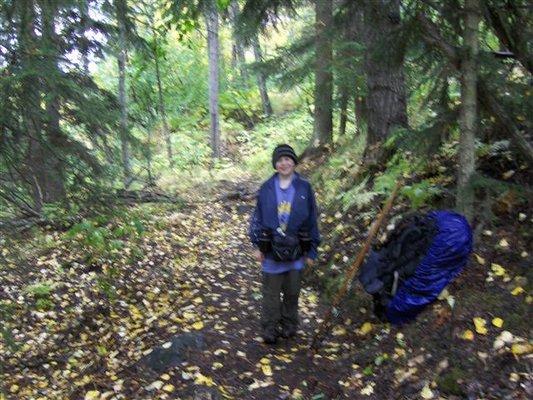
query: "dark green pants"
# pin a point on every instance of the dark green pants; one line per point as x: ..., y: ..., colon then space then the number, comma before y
x: 276, y: 311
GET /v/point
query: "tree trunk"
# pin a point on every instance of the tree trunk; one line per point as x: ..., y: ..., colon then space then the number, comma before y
x: 261, y: 78
x: 149, y: 159
x: 121, y: 10
x: 211, y: 18
x: 343, y: 110
x: 386, y: 103
x: 360, y: 113
x: 323, y: 121
x: 84, y: 11
x: 468, y: 119
x: 346, y: 60
x: 161, y: 102
x: 238, y: 58
x: 51, y: 173
x: 31, y: 113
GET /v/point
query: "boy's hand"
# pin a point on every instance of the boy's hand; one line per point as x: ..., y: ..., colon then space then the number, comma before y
x: 258, y: 255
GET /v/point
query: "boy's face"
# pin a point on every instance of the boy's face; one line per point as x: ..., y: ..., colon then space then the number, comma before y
x: 285, y: 166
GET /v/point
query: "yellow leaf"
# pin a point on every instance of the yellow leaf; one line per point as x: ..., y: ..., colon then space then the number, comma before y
x: 399, y: 351
x: 14, y: 388
x: 165, y: 377
x: 203, y: 380
x: 219, y: 352
x: 266, y: 370
x: 188, y: 315
x: 504, y: 243
x: 426, y: 393
x: 517, y: 290
x: 168, y: 388
x: 479, y: 259
x: 468, y: 335
x: 480, y: 323
x: 217, y: 365
x: 92, y: 395
x: 283, y: 358
x: 497, y: 322
x: 198, y: 325
x: 366, y: 328
x: 197, y: 300
x: 339, y: 331
x: 264, y: 361
x: 521, y: 348
x: 498, y: 269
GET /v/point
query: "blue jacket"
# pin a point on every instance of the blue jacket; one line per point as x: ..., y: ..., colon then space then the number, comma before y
x: 303, y: 212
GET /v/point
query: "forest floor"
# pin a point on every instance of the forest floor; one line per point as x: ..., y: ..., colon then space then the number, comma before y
x: 181, y: 321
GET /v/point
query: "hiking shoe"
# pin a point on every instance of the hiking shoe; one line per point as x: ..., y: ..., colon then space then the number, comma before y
x: 270, y: 338
x: 288, y: 333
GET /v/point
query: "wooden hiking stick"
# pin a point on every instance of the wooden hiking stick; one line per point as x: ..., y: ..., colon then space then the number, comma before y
x: 353, y: 269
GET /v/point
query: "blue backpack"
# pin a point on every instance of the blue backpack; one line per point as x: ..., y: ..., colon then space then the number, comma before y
x: 422, y: 255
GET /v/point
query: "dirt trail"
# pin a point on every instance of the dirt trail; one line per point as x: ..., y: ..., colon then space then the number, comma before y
x: 225, y: 281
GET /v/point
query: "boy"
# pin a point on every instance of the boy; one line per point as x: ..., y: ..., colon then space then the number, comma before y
x: 284, y: 232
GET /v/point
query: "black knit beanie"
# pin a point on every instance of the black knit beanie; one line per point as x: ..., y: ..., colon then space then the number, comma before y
x: 283, y: 150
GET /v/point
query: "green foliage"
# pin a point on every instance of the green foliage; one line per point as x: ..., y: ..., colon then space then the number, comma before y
x: 421, y: 193
x: 105, y: 285
x: 107, y: 236
x: 41, y: 292
x: 257, y: 145
x: 358, y: 196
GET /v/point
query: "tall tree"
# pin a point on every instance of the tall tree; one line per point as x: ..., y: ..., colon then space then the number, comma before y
x: 211, y: 18
x: 157, y: 53
x: 386, y: 103
x: 347, y: 61
x: 31, y: 114
x: 261, y: 78
x: 121, y: 8
x: 54, y: 188
x: 238, y: 58
x: 48, y: 91
x: 323, y: 119
x: 468, y: 119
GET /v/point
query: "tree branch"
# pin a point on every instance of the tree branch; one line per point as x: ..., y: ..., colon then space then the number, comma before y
x: 486, y: 98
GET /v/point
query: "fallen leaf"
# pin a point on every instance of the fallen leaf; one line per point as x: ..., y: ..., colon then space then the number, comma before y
x: 517, y: 290
x: 92, y: 395
x: 198, y: 325
x: 426, y: 392
x: 497, y: 322
x: 203, y: 380
x: 339, y: 331
x: 266, y: 370
x: 521, y: 348
x: 479, y: 259
x: 368, y: 389
x: 480, y: 323
x: 497, y: 269
x: 155, y: 385
x: 168, y: 388
x: 468, y: 335
x: 365, y: 328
